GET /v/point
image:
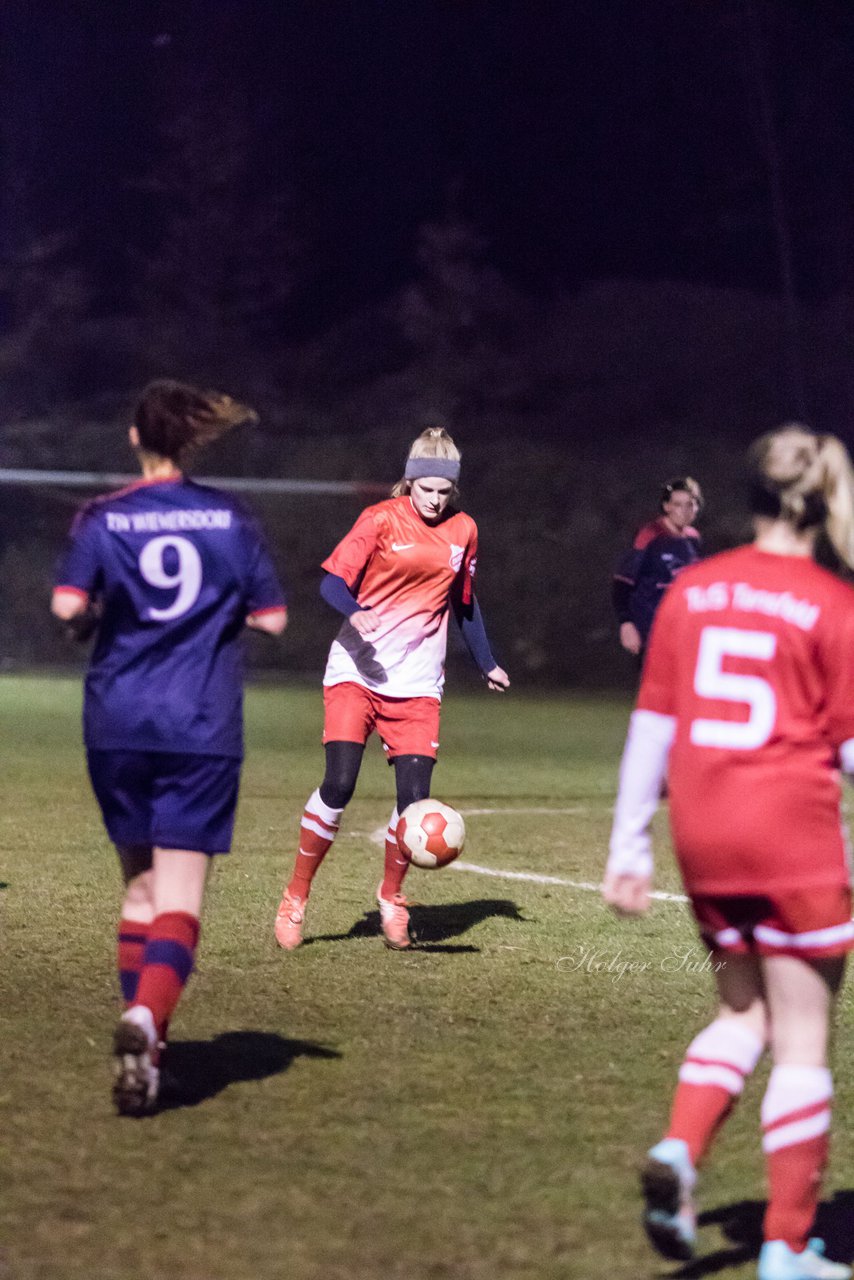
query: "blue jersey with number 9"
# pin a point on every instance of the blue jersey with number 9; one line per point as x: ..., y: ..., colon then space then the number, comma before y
x: 176, y: 567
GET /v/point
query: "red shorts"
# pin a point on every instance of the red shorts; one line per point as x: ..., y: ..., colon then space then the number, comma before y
x: 406, y: 726
x: 810, y: 923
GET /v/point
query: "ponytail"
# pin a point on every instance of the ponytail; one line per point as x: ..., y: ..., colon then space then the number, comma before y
x: 839, y: 497
x: 173, y: 418
x: 807, y: 480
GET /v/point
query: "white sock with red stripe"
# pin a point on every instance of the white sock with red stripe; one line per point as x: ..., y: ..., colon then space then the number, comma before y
x: 716, y: 1065
x: 318, y: 829
x: 396, y: 861
x: 795, y: 1139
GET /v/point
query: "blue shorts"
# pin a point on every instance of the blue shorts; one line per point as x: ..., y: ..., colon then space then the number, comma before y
x: 165, y: 799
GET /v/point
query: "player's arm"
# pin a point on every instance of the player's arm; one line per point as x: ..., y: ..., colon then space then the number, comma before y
x: 266, y: 599
x: 470, y: 622
x: 466, y: 610
x: 68, y: 603
x: 344, y: 569
x: 628, y: 873
x: 338, y: 596
x: 621, y: 597
x: 271, y: 622
x: 76, y: 610
x: 336, y: 593
x: 75, y: 598
x: 623, y: 584
x: 837, y: 646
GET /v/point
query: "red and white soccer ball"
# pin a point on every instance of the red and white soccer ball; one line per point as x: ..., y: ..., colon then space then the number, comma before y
x: 432, y: 833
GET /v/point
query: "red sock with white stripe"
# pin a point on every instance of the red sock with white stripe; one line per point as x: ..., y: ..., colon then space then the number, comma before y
x: 318, y: 829
x: 716, y: 1065
x: 795, y: 1139
x: 396, y: 861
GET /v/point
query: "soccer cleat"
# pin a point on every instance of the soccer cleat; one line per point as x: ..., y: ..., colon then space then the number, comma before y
x: 136, y: 1076
x: 394, y: 919
x: 667, y: 1181
x: 289, y: 921
x: 778, y: 1262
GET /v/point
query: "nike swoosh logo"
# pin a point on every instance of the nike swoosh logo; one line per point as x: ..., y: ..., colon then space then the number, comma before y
x: 402, y: 546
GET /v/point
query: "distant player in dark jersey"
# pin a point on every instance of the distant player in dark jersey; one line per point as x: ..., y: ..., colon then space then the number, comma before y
x: 169, y: 571
x: 406, y: 564
x: 747, y: 702
x: 660, y: 550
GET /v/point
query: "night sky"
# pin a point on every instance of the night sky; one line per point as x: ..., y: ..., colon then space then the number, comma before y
x: 602, y: 241
x: 583, y: 139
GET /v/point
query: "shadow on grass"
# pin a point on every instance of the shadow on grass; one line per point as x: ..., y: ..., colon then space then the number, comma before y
x: 437, y: 924
x: 195, y: 1070
x: 741, y: 1223
x: 433, y: 925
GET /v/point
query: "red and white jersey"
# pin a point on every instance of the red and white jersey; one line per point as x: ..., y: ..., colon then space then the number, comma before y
x: 406, y: 569
x: 753, y: 655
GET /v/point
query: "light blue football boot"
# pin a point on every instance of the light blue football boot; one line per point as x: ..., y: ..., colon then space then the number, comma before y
x: 667, y: 1182
x: 778, y: 1262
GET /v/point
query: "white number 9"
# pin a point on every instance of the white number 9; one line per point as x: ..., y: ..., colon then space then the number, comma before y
x: 187, y: 577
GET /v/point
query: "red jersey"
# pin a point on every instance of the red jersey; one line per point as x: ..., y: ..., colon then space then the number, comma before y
x: 406, y: 569
x: 753, y: 654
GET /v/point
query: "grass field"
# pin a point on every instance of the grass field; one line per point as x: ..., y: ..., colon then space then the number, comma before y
x: 473, y: 1110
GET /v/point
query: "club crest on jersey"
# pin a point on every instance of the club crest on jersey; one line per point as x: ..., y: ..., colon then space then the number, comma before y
x: 456, y: 557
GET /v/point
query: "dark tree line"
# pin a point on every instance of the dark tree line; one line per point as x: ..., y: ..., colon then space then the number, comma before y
x: 602, y: 243
x: 211, y: 185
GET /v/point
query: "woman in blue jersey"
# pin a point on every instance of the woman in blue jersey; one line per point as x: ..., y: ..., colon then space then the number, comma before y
x: 170, y: 571
x: 660, y: 549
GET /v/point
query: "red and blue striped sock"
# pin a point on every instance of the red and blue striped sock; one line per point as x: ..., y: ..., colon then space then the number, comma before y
x: 132, y: 937
x: 167, y: 963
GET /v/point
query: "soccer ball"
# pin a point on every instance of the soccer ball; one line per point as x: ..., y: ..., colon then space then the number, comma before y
x: 432, y: 833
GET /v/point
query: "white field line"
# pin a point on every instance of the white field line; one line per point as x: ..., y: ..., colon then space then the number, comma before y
x: 531, y: 877
x: 378, y: 836
x: 477, y: 813
x: 535, y: 878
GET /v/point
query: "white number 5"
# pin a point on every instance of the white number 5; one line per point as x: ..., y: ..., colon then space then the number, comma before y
x: 187, y: 577
x: 711, y: 681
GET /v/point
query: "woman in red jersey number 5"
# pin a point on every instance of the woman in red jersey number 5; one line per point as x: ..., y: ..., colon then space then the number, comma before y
x: 405, y: 563
x: 747, y: 701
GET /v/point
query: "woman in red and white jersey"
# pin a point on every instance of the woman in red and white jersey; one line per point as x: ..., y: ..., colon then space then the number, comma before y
x: 405, y: 564
x: 747, y: 706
